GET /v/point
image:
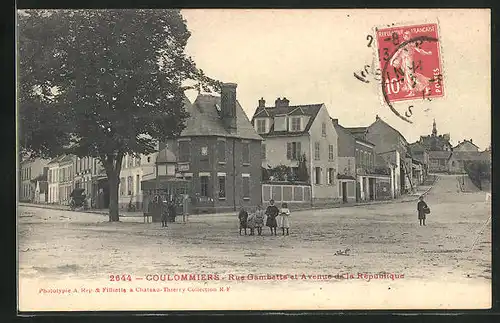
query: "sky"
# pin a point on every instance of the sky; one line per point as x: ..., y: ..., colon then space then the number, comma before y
x: 309, y: 56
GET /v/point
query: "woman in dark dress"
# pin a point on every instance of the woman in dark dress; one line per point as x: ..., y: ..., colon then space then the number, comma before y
x: 272, y: 212
x: 422, y: 209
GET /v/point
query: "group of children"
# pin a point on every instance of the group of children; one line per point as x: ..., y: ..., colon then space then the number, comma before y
x: 275, y: 217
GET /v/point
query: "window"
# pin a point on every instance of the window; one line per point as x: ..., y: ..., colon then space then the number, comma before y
x: 138, y: 161
x: 317, y: 177
x: 184, y: 150
x: 263, y: 151
x: 204, y: 186
x: 246, y: 153
x: 95, y: 166
x: 246, y: 187
x: 204, y: 153
x: 323, y: 129
x: 222, y: 187
x: 330, y: 152
x: 296, y: 124
x: 221, y: 151
x: 330, y: 176
x: 130, y: 162
x: 261, y: 126
x: 129, y: 185
x: 149, y: 159
x: 293, y: 150
x: 349, y: 166
x: 316, y: 151
x: 441, y: 162
x: 122, y: 186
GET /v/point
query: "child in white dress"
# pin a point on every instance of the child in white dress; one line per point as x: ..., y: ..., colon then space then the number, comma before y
x: 284, y: 219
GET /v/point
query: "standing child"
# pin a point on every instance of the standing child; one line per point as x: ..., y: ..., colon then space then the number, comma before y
x: 422, y: 209
x: 251, y: 223
x: 284, y: 221
x: 259, y: 219
x: 272, y: 212
x: 243, y: 217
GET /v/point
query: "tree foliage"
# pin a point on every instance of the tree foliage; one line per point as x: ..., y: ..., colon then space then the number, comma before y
x: 103, y: 83
x: 478, y: 171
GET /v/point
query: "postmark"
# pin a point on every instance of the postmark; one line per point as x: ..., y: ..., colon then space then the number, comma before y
x: 409, y: 58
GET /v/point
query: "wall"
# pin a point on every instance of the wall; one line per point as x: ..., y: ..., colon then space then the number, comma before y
x: 455, y: 166
x: 276, y: 150
x: 346, y: 142
x: 324, y: 192
x: 384, y: 138
x: 438, y: 165
x: 294, y: 195
x: 347, y: 166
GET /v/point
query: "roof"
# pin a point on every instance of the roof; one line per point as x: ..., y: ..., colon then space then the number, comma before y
x: 436, y: 143
x: 464, y: 142
x: 348, y: 132
x: 388, y: 125
x: 66, y: 159
x: 204, y: 120
x: 358, y: 132
x: 310, y: 110
x: 470, y: 155
x: 439, y: 154
x: 166, y: 156
x: 417, y: 147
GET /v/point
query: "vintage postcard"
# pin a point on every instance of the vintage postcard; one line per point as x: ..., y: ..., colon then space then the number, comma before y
x: 253, y: 159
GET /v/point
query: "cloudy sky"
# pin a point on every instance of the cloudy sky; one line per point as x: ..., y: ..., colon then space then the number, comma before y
x: 309, y: 56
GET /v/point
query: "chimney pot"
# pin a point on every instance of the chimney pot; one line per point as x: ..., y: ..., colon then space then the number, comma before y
x: 262, y: 103
x: 471, y: 141
x: 377, y: 117
x: 335, y: 121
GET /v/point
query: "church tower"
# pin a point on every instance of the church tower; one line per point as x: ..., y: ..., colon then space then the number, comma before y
x: 434, y: 130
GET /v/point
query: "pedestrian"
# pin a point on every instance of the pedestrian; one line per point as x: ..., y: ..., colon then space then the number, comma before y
x: 251, y: 223
x: 284, y: 218
x: 259, y: 219
x: 272, y: 212
x: 243, y: 217
x: 422, y: 209
x: 164, y: 209
x: 185, y: 208
x: 172, y: 210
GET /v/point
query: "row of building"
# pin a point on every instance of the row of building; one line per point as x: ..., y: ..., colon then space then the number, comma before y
x: 228, y: 160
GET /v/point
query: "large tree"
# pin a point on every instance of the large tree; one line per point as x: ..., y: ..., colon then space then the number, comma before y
x: 103, y: 83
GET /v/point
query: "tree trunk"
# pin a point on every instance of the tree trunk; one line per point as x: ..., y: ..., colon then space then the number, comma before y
x: 113, y: 165
x: 113, y: 198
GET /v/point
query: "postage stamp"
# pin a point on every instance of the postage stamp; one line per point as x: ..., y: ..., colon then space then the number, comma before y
x: 410, y: 61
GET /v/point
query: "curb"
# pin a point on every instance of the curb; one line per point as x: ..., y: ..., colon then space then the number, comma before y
x: 326, y: 207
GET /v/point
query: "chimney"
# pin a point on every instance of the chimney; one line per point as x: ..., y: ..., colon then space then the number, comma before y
x: 228, y: 105
x: 377, y: 117
x: 277, y: 102
x: 262, y: 103
x: 471, y: 141
x: 335, y: 121
x: 285, y: 102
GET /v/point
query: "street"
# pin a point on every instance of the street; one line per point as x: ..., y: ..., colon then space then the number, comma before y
x: 59, y: 248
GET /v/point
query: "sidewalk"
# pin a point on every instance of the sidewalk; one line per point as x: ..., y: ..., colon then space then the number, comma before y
x: 421, y: 190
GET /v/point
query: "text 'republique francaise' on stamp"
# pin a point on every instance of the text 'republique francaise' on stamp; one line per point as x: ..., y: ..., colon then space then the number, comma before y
x: 409, y: 57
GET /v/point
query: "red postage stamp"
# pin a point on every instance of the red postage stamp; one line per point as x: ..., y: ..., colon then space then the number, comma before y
x: 410, y: 61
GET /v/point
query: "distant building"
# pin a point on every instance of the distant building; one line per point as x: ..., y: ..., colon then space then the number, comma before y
x: 387, y: 141
x: 466, y: 145
x: 435, y: 142
x: 292, y: 132
x: 458, y: 160
x: 30, y: 169
x: 357, y: 158
x: 66, y: 183
x: 421, y: 155
x: 438, y: 161
x: 219, y: 152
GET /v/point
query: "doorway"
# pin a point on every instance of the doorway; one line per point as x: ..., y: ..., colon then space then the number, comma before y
x: 344, y: 192
x: 371, y: 184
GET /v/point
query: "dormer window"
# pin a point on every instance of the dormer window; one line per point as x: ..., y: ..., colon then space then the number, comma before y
x: 296, y: 124
x: 261, y: 126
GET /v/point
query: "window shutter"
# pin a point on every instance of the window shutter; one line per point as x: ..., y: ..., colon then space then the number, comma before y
x: 289, y: 150
x: 299, y: 151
